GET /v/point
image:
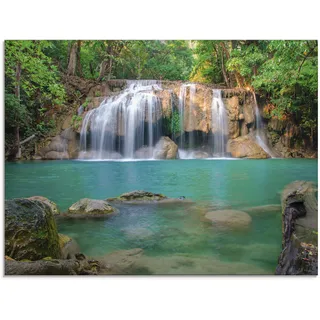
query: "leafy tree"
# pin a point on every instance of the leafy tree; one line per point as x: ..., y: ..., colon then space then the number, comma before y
x: 32, y: 79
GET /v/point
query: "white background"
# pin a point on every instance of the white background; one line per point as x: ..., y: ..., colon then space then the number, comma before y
x: 183, y: 297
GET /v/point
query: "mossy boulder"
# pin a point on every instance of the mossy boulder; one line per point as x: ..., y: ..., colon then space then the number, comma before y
x: 229, y: 218
x: 91, y: 208
x: 30, y: 230
x: 54, y: 208
x: 138, y: 196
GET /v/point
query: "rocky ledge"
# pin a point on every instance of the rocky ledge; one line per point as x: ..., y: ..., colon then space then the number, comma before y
x: 299, y: 254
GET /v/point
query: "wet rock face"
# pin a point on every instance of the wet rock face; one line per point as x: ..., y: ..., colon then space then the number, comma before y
x: 91, y: 208
x: 61, y: 147
x: 165, y: 149
x: 233, y: 109
x: 229, y: 218
x: 246, y: 147
x: 30, y: 230
x: 299, y: 230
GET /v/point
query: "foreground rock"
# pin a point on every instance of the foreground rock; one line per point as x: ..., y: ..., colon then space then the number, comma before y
x: 165, y: 149
x: 299, y: 230
x: 246, y: 147
x: 30, y: 230
x: 229, y: 218
x: 90, y: 208
x: 54, y: 208
x: 145, y: 197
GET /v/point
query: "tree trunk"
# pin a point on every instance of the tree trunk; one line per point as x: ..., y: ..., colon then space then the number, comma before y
x: 225, y: 76
x: 103, y: 68
x: 79, y: 68
x: 17, y: 148
x: 110, y: 69
x: 73, y: 59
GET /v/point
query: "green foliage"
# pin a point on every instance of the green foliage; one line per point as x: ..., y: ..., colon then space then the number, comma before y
x: 285, y: 72
x: 76, y: 121
x: 16, y: 114
x: 171, y: 124
x: 145, y: 59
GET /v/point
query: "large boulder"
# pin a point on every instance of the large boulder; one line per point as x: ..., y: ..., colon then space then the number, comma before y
x: 30, y: 230
x: 91, y: 208
x: 54, y: 208
x: 229, y: 218
x: 165, y: 149
x: 246, y: 147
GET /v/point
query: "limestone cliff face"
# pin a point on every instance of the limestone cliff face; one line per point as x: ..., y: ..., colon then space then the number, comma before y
x: 284, y: 136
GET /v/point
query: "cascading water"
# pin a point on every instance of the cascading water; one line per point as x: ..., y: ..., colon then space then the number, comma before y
x: 219, y: 123
x: 123, y: 124
x: 260, y: 135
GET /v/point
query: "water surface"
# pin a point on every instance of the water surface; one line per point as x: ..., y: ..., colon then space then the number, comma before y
x: 174, y: 239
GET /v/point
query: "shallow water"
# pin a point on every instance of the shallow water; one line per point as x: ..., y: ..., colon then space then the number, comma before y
x: 175, y: 239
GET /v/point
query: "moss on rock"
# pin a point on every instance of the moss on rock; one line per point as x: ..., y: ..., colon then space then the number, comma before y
x: 30, y: 230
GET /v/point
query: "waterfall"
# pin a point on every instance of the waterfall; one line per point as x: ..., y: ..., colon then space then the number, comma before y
x: 219, y: 123
x: 260, y: 134
x: 124, y: 123
x: 182, y: 103
x: 191, y: 116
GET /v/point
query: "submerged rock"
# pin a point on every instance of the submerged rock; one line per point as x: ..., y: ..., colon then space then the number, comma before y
x: 186, y: 264
x: 229, y: 218
x: 30, y: 230
x: 120, y: 262
x: 91, y: 208
x: 54, y: 208
x: 246, y: 147
x: 299, y: 230
x: 165, y: 149
x: 69, y: 247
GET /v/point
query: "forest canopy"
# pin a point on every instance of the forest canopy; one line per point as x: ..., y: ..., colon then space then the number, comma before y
x: 284, y: 72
